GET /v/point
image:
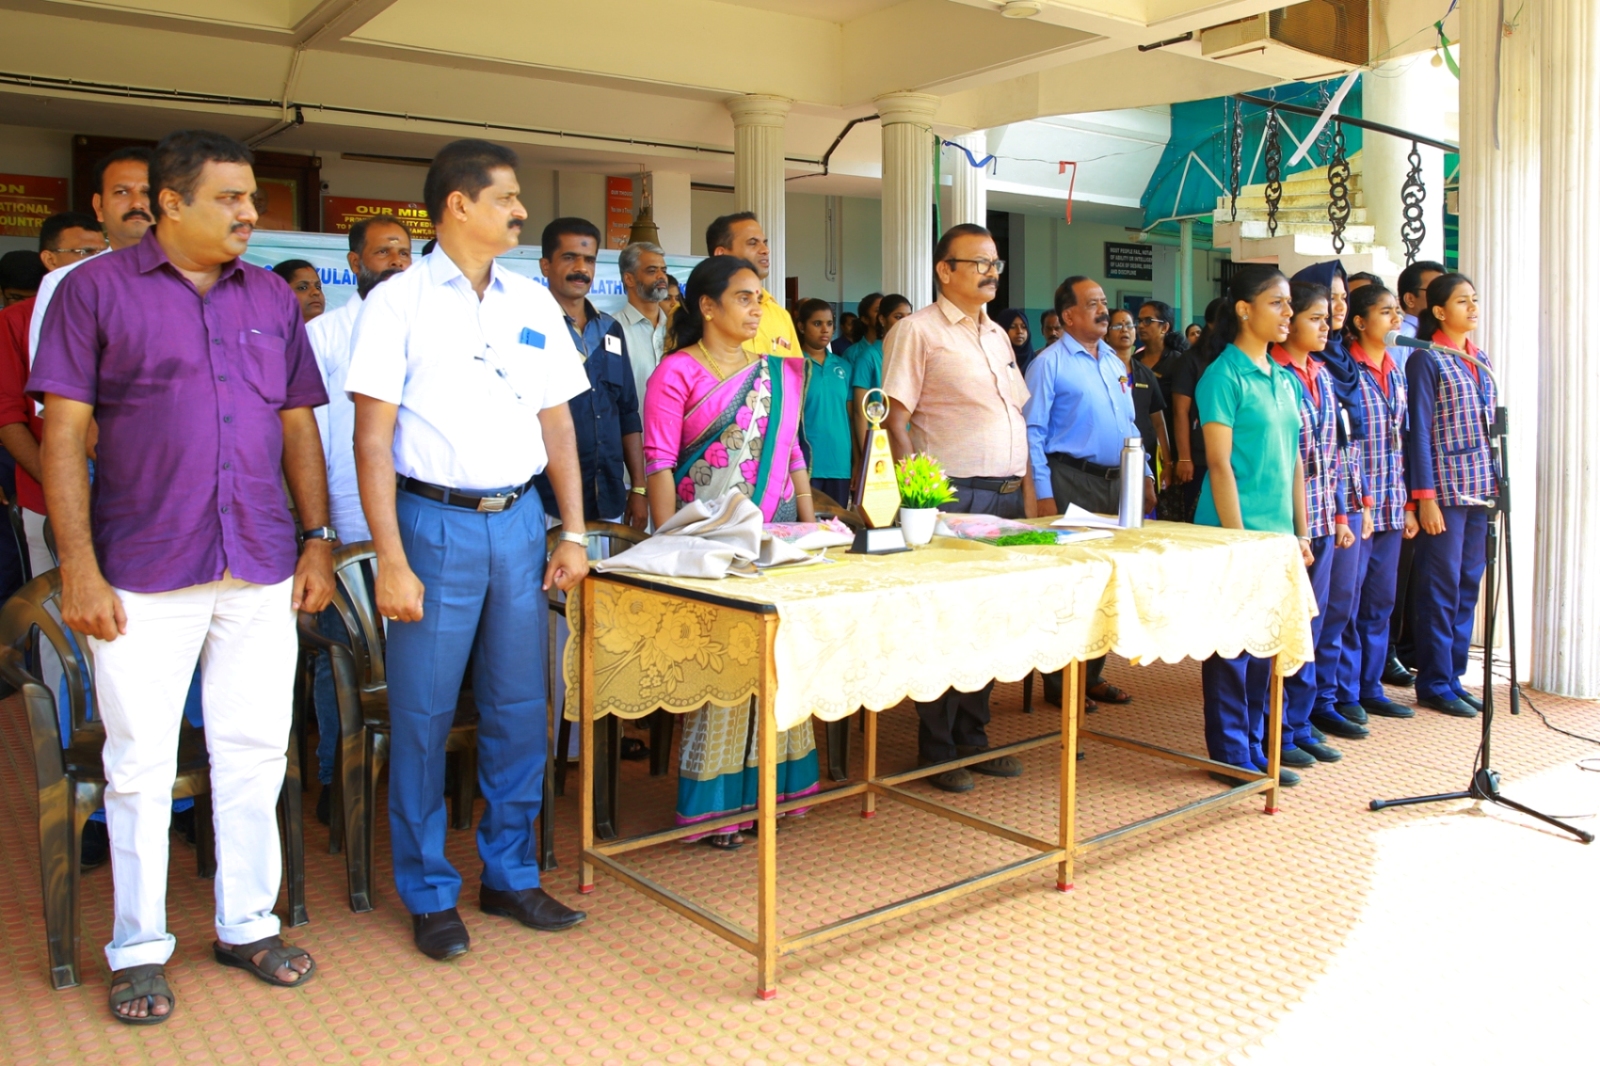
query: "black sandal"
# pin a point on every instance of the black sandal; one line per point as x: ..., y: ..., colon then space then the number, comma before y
x: 634, y: 749
x: 723, y: 841
x: 144, y: 982
x: 278, y: 957
x: 1106, y: 692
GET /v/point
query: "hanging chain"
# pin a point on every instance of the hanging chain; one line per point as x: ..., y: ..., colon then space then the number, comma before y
x: 1325, y: 140
x: 1338, y: 188
x: 1412, y: 194
x: 1274, y: 172
x: 1236, y: 150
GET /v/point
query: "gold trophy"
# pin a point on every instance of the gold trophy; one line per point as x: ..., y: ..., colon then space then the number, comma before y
x: 877, y: 493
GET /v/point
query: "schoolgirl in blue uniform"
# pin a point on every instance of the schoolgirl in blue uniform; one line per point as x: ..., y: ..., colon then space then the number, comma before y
x: 1451, y: 476
x: 1326, y: 505
x: 1374, y: 311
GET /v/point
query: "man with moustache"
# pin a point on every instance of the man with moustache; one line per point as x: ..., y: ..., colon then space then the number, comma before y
x: 1049, y: 327
x: 1079, y: 413
x: 380, y: 248
x: 461, y: 371
x: 233, y: 423
x: 605, y: 419
x: 121, y: 204
x: 644, y: 321
x: 955, y: 393
x: 741, y: 234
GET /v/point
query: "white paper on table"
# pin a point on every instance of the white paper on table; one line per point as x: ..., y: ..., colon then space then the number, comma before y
x: 1077, y: 516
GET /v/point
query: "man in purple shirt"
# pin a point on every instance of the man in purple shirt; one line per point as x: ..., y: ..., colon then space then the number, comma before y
x: 198, y: 371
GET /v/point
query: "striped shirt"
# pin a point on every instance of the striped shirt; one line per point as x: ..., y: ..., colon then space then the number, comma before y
x: 1319, y: 446
x: 1383, y: 463
x: 1447, y: 448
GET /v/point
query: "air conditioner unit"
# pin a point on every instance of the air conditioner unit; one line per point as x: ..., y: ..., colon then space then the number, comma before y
x: 1314, y: 39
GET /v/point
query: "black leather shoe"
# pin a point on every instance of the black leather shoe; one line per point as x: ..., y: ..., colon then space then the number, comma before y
x: 1321, y: 752
x: 1453, y: 707
x: 957, y: 780
x: 1339, y: 725
x: 1227, y: 779
x: 440, y: 935
x: 325, y: 805
x: 1352, y: 712
x: 1385, y: 708
x: 1004, y: 766
x: 95, y: 848
x: 1395, y: 673
x: 1471, y: 701
x: 1297, y: 758
x: 533, y: 907
x: 1318, y: 735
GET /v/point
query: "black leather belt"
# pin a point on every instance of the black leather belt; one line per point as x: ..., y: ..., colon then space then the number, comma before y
x: 1005, y: 486
x: 1109, y: 473
x: 487, y: 502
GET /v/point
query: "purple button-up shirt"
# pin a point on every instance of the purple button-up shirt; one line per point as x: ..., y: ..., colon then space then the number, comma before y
x: 187, y: 390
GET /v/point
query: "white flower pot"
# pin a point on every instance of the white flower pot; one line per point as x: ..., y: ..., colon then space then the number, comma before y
x: 917, y: 523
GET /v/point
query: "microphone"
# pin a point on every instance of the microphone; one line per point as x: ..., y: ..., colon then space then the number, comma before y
x: 1393, y: 339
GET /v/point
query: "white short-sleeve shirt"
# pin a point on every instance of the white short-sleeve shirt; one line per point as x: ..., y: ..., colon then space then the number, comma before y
x: 470, y: 376
x: 330, y: 340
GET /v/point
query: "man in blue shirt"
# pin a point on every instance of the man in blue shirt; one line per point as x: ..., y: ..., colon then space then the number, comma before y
x: 1079, y: 412
x: 606, y: 419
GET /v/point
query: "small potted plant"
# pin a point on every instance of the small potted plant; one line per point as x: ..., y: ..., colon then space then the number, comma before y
x: 923, y: 487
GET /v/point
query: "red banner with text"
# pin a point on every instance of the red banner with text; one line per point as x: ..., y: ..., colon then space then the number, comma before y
x: 26, y: 200
x: 339, y: 213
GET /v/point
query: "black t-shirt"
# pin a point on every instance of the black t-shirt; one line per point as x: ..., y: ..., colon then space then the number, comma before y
x: 1148, y: 400
x: 1185, y: 376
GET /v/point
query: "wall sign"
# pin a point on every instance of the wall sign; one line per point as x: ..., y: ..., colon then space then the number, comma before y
x: 1131, y: 262
x: 619, y: 211
x: 26, y: 200
x: 339, y: 213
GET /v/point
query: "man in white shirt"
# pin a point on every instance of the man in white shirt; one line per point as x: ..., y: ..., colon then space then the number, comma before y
x: 122, y: 204
x: 644, y: 323
x: 380, y: 248
x: 461, y: 372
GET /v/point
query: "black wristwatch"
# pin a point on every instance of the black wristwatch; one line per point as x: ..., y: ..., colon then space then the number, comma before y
x: 320, y: 533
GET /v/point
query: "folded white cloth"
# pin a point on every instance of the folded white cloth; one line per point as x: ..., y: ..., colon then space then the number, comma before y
x: 707, y: 538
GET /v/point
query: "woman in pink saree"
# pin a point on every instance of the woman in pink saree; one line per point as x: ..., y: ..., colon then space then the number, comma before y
x: 717, y: 418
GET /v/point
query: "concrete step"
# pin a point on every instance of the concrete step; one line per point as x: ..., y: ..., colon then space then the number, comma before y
x: 1251, y: 229
x: 1317, y: 214
x: 1318, y: 198
x: 1294, y: 252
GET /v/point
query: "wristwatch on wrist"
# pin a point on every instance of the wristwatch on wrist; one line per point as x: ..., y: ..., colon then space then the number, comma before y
x: 575, y: 538
x: 320, y: 533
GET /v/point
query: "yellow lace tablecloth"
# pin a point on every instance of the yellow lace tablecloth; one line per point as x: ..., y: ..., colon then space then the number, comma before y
x: 872, y: 631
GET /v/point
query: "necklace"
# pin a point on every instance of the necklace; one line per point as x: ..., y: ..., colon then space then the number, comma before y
x: 710, y: 363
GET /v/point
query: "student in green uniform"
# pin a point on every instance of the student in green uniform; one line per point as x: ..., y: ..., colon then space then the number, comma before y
x: 1250, y: 414
x: 825, y: 418
x: 866, y: 371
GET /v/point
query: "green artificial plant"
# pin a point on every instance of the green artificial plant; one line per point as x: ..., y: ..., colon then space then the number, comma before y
x: 922, y: 482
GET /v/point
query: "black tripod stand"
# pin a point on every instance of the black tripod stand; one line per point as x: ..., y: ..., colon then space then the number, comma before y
x: 1485, y: 783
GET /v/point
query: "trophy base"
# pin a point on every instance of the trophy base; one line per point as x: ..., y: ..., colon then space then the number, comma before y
x: 885, y: 541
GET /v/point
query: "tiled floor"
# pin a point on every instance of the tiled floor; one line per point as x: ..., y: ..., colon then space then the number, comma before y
x: 1325, y: 933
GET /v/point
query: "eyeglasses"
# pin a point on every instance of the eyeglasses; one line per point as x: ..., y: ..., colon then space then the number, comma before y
x: 81, y: 253
x: 1148, y: 321
x: 984, y: 266
x: 1122, y: 325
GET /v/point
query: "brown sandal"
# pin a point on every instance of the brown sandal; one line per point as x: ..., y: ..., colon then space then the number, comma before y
x: 1106, y: 692
x: 278, y: 957
x: 144, y: 982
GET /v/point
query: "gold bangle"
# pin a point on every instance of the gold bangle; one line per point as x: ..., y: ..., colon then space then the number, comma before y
x: 800, y: 494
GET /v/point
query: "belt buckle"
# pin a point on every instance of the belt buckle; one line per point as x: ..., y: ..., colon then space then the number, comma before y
x: 494, y: 504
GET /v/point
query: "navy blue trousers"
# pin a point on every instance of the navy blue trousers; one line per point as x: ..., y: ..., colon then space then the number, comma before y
x: 1300, y: 688
x: 1344, y: 593
x: 1236, y: 696
x: 1444, y: 591
x: 481, y: 574
x: 1370, y: 627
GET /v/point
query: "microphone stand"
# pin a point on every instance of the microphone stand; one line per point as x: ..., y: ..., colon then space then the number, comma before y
x: 1485, y: 784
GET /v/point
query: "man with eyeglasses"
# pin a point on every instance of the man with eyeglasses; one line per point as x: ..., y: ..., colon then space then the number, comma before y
x: 1080, y: 410
x: 955, y: 393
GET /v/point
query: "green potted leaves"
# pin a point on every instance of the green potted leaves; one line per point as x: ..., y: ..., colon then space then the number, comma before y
x: 923, y: 487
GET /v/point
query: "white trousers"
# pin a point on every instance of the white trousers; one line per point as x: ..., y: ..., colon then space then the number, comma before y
x: 243, y: 636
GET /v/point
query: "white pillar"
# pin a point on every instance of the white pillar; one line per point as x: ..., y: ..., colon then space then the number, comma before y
x: 907, y: 121
x: 669, y: 205
x: 1499, y: 208
x: 758, y: 171
x: 1566, y: 645
x: 1185, y: 274
x: 1413, y: 95
x: 969, y: 185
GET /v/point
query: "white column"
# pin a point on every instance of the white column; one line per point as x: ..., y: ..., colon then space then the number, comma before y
x: 758, y: 171
x: 669, y: 205
x: 1566, y: 644
x: 1499, y: 208
x: 907, y: 121
x: 1185, y: 274
x: 969, y: 185
x: 1413, y: 95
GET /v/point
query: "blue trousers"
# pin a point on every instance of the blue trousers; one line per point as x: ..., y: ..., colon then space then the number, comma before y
x: 1444, y: 584
x: 1344, y: 593
x: 482, y: 599
x: 1372, y: 620
x: 1236, y: 695
x: 1300, y: 689
x: 323, y: 699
